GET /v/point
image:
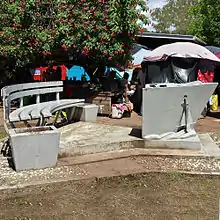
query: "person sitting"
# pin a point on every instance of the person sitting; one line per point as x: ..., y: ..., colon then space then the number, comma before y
x: 115, y: 86
x: 112, y: 82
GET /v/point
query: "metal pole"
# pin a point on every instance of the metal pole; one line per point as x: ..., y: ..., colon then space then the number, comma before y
x: 185, y: 107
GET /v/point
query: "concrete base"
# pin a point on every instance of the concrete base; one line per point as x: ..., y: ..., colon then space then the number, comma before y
x: 88, y: 138
x: 193, y: 143
x: 179, y: 140
x: 34, y: 148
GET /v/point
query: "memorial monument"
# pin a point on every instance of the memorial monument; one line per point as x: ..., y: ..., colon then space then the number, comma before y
x: 170, y: 112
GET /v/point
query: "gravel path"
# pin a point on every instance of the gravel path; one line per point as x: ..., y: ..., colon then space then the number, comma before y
x: 124, y: 166
x: 188, y: 164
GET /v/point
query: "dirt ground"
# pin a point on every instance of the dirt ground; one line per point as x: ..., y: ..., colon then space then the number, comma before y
x: 144, y: 196
x: 209, y: 124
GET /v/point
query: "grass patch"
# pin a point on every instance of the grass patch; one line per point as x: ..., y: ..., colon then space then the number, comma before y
x: 174, y: 176
x: 3, y: 135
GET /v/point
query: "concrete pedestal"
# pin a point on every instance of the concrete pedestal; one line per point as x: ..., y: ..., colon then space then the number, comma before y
x: 34, y: 148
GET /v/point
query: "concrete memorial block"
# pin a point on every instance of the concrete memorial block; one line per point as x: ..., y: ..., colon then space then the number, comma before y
x: 170, y: 112
x: 35, y: 147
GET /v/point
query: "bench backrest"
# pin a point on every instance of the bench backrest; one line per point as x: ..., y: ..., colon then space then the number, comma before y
x: 19, y: 91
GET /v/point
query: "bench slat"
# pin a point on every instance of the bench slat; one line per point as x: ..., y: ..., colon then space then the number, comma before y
x: 35, y: 92
x: 67, y: 104
x: 59, y: 105
x: 36, y: 112
x: 5, y: 91
x: 44, y: 109
x: 33, y: 111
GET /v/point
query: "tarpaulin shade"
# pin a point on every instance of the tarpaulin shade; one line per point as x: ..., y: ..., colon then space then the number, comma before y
x: 213, y: 49
x: 181, y: 50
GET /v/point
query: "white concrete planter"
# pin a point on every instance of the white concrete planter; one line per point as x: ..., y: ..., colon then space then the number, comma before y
x: 35, y: 147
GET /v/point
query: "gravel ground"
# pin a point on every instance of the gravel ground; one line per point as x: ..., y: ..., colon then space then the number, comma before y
x: 10, y: 178
x: 188, y: 164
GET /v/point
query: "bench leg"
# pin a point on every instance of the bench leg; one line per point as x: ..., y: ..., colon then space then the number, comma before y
x: 38, y: 122
x: 43, y: 121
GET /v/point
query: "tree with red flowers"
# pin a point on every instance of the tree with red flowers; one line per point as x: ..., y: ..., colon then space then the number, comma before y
x: 105, y: 30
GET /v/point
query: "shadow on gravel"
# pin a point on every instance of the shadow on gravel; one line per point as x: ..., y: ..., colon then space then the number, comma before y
x: 6, y: 152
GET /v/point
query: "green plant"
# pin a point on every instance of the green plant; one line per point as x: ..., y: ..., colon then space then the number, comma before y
x: 33, y: 30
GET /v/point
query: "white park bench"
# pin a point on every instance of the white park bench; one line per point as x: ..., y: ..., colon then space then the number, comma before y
x: 39, y: 111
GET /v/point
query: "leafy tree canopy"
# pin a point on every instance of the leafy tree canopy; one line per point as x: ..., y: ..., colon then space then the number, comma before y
x: 174, y: 17
x: 98, y: 29
x: 206, y: 21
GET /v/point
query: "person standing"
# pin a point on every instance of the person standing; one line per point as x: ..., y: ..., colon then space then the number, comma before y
x: 46, y: 77
x: 57, y: 75
x: 140, y: 84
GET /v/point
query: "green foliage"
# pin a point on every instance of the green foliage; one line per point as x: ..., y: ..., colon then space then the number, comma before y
x: 32, y: 30
x: 174, y: 14
x: 206, y: 21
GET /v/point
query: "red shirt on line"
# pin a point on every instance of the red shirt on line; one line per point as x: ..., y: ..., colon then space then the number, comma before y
x: 205, y: 77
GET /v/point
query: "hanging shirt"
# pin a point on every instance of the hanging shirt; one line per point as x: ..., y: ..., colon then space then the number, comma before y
x: 206, y: 71
x: 205, y: 77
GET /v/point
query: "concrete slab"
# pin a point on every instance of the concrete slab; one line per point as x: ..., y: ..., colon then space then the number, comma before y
x: 88, y: 138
